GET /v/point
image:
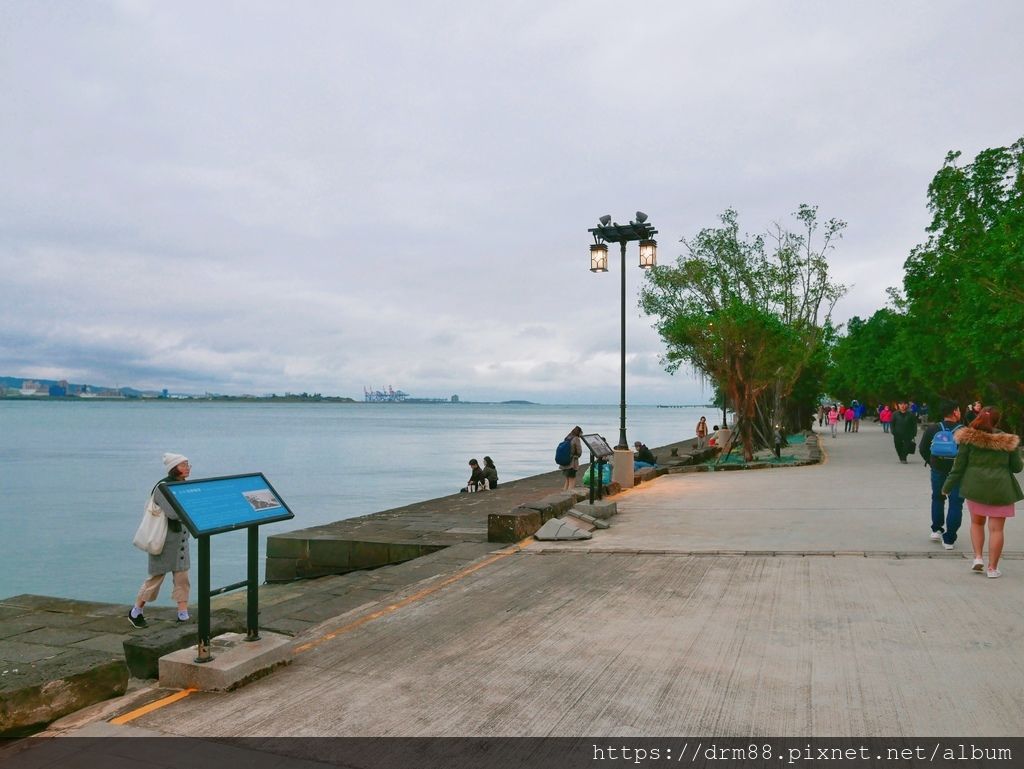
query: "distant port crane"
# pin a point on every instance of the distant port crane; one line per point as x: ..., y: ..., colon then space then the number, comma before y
x: 390, y: 395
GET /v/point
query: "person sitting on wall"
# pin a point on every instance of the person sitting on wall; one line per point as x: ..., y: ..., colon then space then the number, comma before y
x: 644, y: 454
x: 490, y: 473
x: 477, y: 480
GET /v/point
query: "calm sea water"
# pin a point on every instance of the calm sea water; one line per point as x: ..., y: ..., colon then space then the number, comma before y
x: 74, y: 476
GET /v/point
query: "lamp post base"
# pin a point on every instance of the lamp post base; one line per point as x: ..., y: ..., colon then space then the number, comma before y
x: 622, y: 469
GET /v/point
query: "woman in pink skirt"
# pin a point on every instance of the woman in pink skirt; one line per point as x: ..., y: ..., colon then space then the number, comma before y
x: 986, y: 462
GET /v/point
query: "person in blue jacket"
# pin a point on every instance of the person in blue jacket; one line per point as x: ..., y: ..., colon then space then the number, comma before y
x: 945, y: 522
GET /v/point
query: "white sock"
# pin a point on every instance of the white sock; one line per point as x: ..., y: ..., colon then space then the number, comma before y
x: 136, y: 611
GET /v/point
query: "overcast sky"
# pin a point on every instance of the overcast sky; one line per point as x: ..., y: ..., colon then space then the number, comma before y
x: 265, y: 197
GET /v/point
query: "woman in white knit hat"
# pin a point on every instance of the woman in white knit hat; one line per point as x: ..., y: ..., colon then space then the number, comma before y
x: 174, y: 557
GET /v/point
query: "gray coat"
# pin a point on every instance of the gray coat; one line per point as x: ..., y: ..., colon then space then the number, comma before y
x: 174, y: 556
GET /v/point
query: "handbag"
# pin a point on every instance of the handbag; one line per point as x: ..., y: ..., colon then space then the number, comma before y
x: 912, y: 448
x: 152, y: 531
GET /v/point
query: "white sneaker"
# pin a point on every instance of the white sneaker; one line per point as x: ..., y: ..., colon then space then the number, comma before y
x: 993, y: 573
x: 978, y: 565
x: 947, y: 546
x: 935, y: 536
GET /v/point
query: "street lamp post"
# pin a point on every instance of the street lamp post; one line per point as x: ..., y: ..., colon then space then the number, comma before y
x: 611, y: 232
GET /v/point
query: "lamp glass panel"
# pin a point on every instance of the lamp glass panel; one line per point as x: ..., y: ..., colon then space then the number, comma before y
x: 599, y: 258
x: 648, y: 254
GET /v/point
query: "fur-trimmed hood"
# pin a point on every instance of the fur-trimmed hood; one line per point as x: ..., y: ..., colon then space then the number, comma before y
x: 983, y: 440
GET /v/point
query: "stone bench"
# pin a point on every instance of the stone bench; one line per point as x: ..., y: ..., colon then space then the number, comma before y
x: 523, y: 521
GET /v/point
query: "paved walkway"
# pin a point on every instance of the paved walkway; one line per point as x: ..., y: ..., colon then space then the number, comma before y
x: 804, y: 602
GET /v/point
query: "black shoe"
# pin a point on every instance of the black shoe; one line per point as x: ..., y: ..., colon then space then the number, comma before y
x: 139, y: 621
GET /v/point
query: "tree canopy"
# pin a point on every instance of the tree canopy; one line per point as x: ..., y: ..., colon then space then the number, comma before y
x: 955, y: 330
x: 748, y: 312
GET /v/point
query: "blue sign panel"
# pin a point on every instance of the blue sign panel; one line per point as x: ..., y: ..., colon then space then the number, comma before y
x: 214, y: 505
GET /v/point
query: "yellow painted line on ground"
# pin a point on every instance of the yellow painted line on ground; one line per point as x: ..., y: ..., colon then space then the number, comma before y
x: 418, y: 596
x: 139, y: 712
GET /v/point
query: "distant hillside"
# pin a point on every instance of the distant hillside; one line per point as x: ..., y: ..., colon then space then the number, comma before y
x: 89, y: 391
x: 19, y: 382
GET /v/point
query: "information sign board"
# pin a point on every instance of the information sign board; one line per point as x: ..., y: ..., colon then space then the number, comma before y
x: 598, y: 446
x: 214, y: 505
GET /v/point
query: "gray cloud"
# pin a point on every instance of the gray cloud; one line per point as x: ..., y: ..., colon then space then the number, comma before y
x: 245, y: 198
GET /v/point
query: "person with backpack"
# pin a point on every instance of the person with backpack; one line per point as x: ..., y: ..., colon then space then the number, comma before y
x: 986, y: 464
x: 567, y: 456
x: 904, y: 430
x: 938, y: 450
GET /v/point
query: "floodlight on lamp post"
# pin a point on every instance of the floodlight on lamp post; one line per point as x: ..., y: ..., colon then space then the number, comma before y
x: 606, y: 232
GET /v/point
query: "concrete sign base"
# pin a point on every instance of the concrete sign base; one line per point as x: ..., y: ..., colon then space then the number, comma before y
x: 235, y: 662
x: 601, y: 508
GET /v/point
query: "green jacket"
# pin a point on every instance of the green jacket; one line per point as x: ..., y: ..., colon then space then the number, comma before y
x: 985, y: 466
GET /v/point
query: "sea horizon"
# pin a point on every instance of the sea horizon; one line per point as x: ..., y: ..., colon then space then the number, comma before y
x: 75, y: 476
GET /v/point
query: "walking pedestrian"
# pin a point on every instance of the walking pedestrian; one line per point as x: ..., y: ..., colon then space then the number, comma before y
x: 885, y: 417
x: 833, y: 419
x: 702, y: 433
x: 945, y: 523
x: 987, y: 462
x: 849, y: 416
x: 973, y: 409
x: 575, y: 451
x: 174, y: 557
x: 904, y: 430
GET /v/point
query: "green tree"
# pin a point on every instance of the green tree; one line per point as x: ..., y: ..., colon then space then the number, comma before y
x: 955, y: 331
x: 747, y: 312
x: 873, y: 360
x: 963, y: 285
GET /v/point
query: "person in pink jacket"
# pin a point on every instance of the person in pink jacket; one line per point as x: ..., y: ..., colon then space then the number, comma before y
x: 885, y: 417
x: 833, y: 419
x: 848, y: 415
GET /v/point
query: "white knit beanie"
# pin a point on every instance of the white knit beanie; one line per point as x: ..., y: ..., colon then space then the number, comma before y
x: 173, y: 460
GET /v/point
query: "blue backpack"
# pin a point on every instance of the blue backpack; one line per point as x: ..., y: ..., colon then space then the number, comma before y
x: 563, y: 453
x: 943, y: 445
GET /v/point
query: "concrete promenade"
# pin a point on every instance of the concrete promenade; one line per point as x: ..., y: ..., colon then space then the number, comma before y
x: 787, y: 602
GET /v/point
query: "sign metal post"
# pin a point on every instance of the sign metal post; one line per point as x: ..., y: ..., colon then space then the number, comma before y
x: 209, y: 506
x: 599, y: 453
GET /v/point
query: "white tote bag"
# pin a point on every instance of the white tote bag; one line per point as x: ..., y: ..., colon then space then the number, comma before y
x: 152, y: 531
